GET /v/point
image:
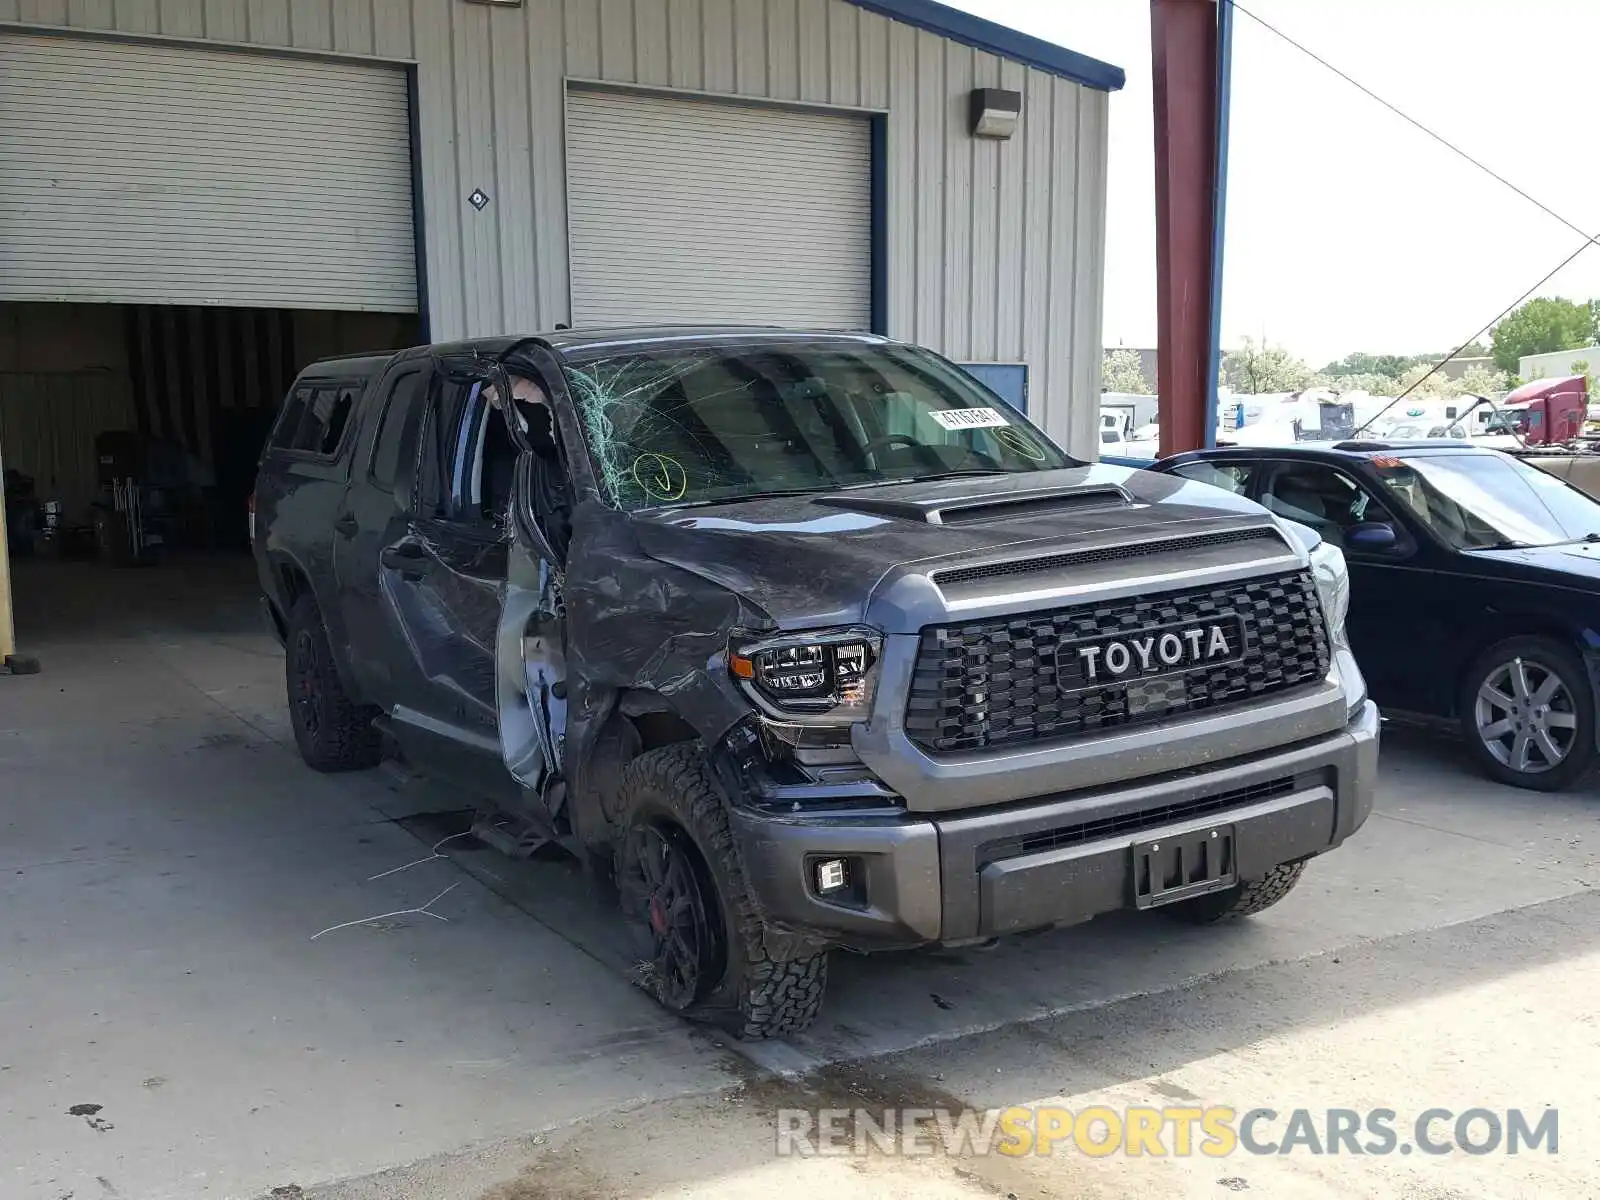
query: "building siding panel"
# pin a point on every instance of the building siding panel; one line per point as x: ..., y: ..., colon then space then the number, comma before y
x: 844, y: 54
x: 224, y: 20
x: 311, y: 24
x: 547, y: 171
x: 352, y: 27
x: 685, y: 44
x: 652, y: 51
x: 984, y: 226
x: 1063, y: 252
x: 750, y: 47
x: 617, y: 60
x: 45, y: 12
x: 717, y: 34
x: 973, y: 230
x: 956, y: 287
x: 811, y: 49
x: 1088, y: 297
x: 473, y: 91
x: 932, y: 245
x: 183, y: 18
x: 1010, y: 225
x: 900, y: 96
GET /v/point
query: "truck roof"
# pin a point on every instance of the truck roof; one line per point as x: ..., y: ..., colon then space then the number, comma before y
x: 368, y: 363
x: 584, y: 343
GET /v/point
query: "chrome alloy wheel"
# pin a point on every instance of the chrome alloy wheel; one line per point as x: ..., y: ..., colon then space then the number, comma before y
x: 1526, y: 717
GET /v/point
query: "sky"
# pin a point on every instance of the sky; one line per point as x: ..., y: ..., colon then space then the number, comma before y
x: 1347, y: 229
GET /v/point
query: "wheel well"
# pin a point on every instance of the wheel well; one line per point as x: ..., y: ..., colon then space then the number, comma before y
x: 294, y: 583
x: 657, y: 729
x: 1513, y: 626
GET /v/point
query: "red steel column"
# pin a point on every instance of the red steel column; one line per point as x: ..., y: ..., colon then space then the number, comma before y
x: 1183, y: 46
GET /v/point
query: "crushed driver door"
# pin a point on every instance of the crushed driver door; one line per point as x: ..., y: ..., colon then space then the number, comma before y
x: 533, y: 675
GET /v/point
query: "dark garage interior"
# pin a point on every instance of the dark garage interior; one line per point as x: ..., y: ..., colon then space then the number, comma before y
x: 130, y: 436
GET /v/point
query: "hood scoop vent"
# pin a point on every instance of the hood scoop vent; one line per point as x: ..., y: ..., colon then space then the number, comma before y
x: 973, y: 510
x: 968, y: 512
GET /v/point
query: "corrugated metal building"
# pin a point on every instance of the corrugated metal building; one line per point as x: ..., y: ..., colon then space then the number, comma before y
x: 199, y: 196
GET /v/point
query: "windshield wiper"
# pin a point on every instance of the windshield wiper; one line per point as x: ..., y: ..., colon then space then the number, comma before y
x: 1588, y: 537
x: 957, y: 474
x: 741, y: 497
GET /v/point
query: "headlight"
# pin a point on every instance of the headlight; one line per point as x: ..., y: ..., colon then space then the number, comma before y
x: 822, y: 677
x: 1333, y: 588
x: 1332, y: 578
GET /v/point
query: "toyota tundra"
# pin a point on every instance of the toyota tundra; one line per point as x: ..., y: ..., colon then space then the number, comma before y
x: 804, y: 642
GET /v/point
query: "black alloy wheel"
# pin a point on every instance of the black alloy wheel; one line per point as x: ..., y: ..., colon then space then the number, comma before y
x: 663, y: 890
x: 307, y: 683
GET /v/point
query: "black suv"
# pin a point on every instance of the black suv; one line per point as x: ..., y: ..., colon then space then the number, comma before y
x: 804, y: 641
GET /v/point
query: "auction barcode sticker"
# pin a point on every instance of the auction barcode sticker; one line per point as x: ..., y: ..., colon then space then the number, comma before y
x: 969, y: 418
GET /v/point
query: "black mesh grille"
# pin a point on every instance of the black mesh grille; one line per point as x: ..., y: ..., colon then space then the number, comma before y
x: 1137, y: 822
x: 1029, y: 566
x: 996, y: 682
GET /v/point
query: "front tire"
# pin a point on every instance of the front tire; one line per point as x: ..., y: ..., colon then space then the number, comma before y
x: 1527, y: 713
x: 702, y: 949
x: 1245, y: 900
x: 331, y: 730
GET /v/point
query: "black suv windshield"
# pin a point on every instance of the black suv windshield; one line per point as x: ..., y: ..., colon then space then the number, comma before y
x: 1489, y: 501
x: 687, y: 425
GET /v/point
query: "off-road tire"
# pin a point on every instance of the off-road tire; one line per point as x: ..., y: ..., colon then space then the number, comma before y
x: 1245, y: 900
x: 749, y: 991
x: 1564, y: 662
x: 345, y: 738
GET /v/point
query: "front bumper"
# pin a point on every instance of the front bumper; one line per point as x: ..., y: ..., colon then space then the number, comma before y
x: 947, y: 877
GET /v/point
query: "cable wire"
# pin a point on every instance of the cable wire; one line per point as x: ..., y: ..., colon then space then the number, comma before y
x: 1589, y: 238
x: 1505, y: 312
x: 1413, y: 122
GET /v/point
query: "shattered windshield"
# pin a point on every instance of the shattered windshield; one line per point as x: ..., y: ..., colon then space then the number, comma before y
x: 687, y: 425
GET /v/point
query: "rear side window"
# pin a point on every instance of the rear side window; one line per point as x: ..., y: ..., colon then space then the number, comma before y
x: 315, y: 416
x: 398, y: 407
x: 338, y: 418
x: 1231, y: 477
x: 287, y: 429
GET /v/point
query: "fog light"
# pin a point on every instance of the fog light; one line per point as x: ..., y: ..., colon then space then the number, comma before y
x: 832, y: 876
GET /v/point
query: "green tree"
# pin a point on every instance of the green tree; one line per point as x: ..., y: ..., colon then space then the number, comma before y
x: 1438, y: 384
x: 1581, y: 367
x: 1369, y: 381
x: 1482, y: 381
x: 1540, y: 326
x: 1123, y: 371
x: 1253, y: 369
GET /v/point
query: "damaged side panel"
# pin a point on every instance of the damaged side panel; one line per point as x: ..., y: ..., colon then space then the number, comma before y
x: 445, y: 593
x: 611, y: 621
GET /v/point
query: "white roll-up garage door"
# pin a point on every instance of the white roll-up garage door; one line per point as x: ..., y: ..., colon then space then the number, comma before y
x: 142, y: 173
x: 687, y: 210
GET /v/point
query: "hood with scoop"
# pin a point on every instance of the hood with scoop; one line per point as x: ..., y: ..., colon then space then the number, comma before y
x: 815, y: 559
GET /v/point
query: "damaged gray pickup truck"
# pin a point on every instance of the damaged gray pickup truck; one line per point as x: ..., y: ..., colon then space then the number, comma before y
x: 804, y: 641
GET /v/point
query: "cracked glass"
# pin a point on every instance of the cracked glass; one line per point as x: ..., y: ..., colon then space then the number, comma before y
x: 698, y: 425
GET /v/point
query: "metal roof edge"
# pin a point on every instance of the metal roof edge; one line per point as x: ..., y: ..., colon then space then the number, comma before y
x: 1010, y: 43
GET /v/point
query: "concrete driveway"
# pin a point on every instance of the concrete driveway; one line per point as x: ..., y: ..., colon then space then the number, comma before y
x: 196, y: 1001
